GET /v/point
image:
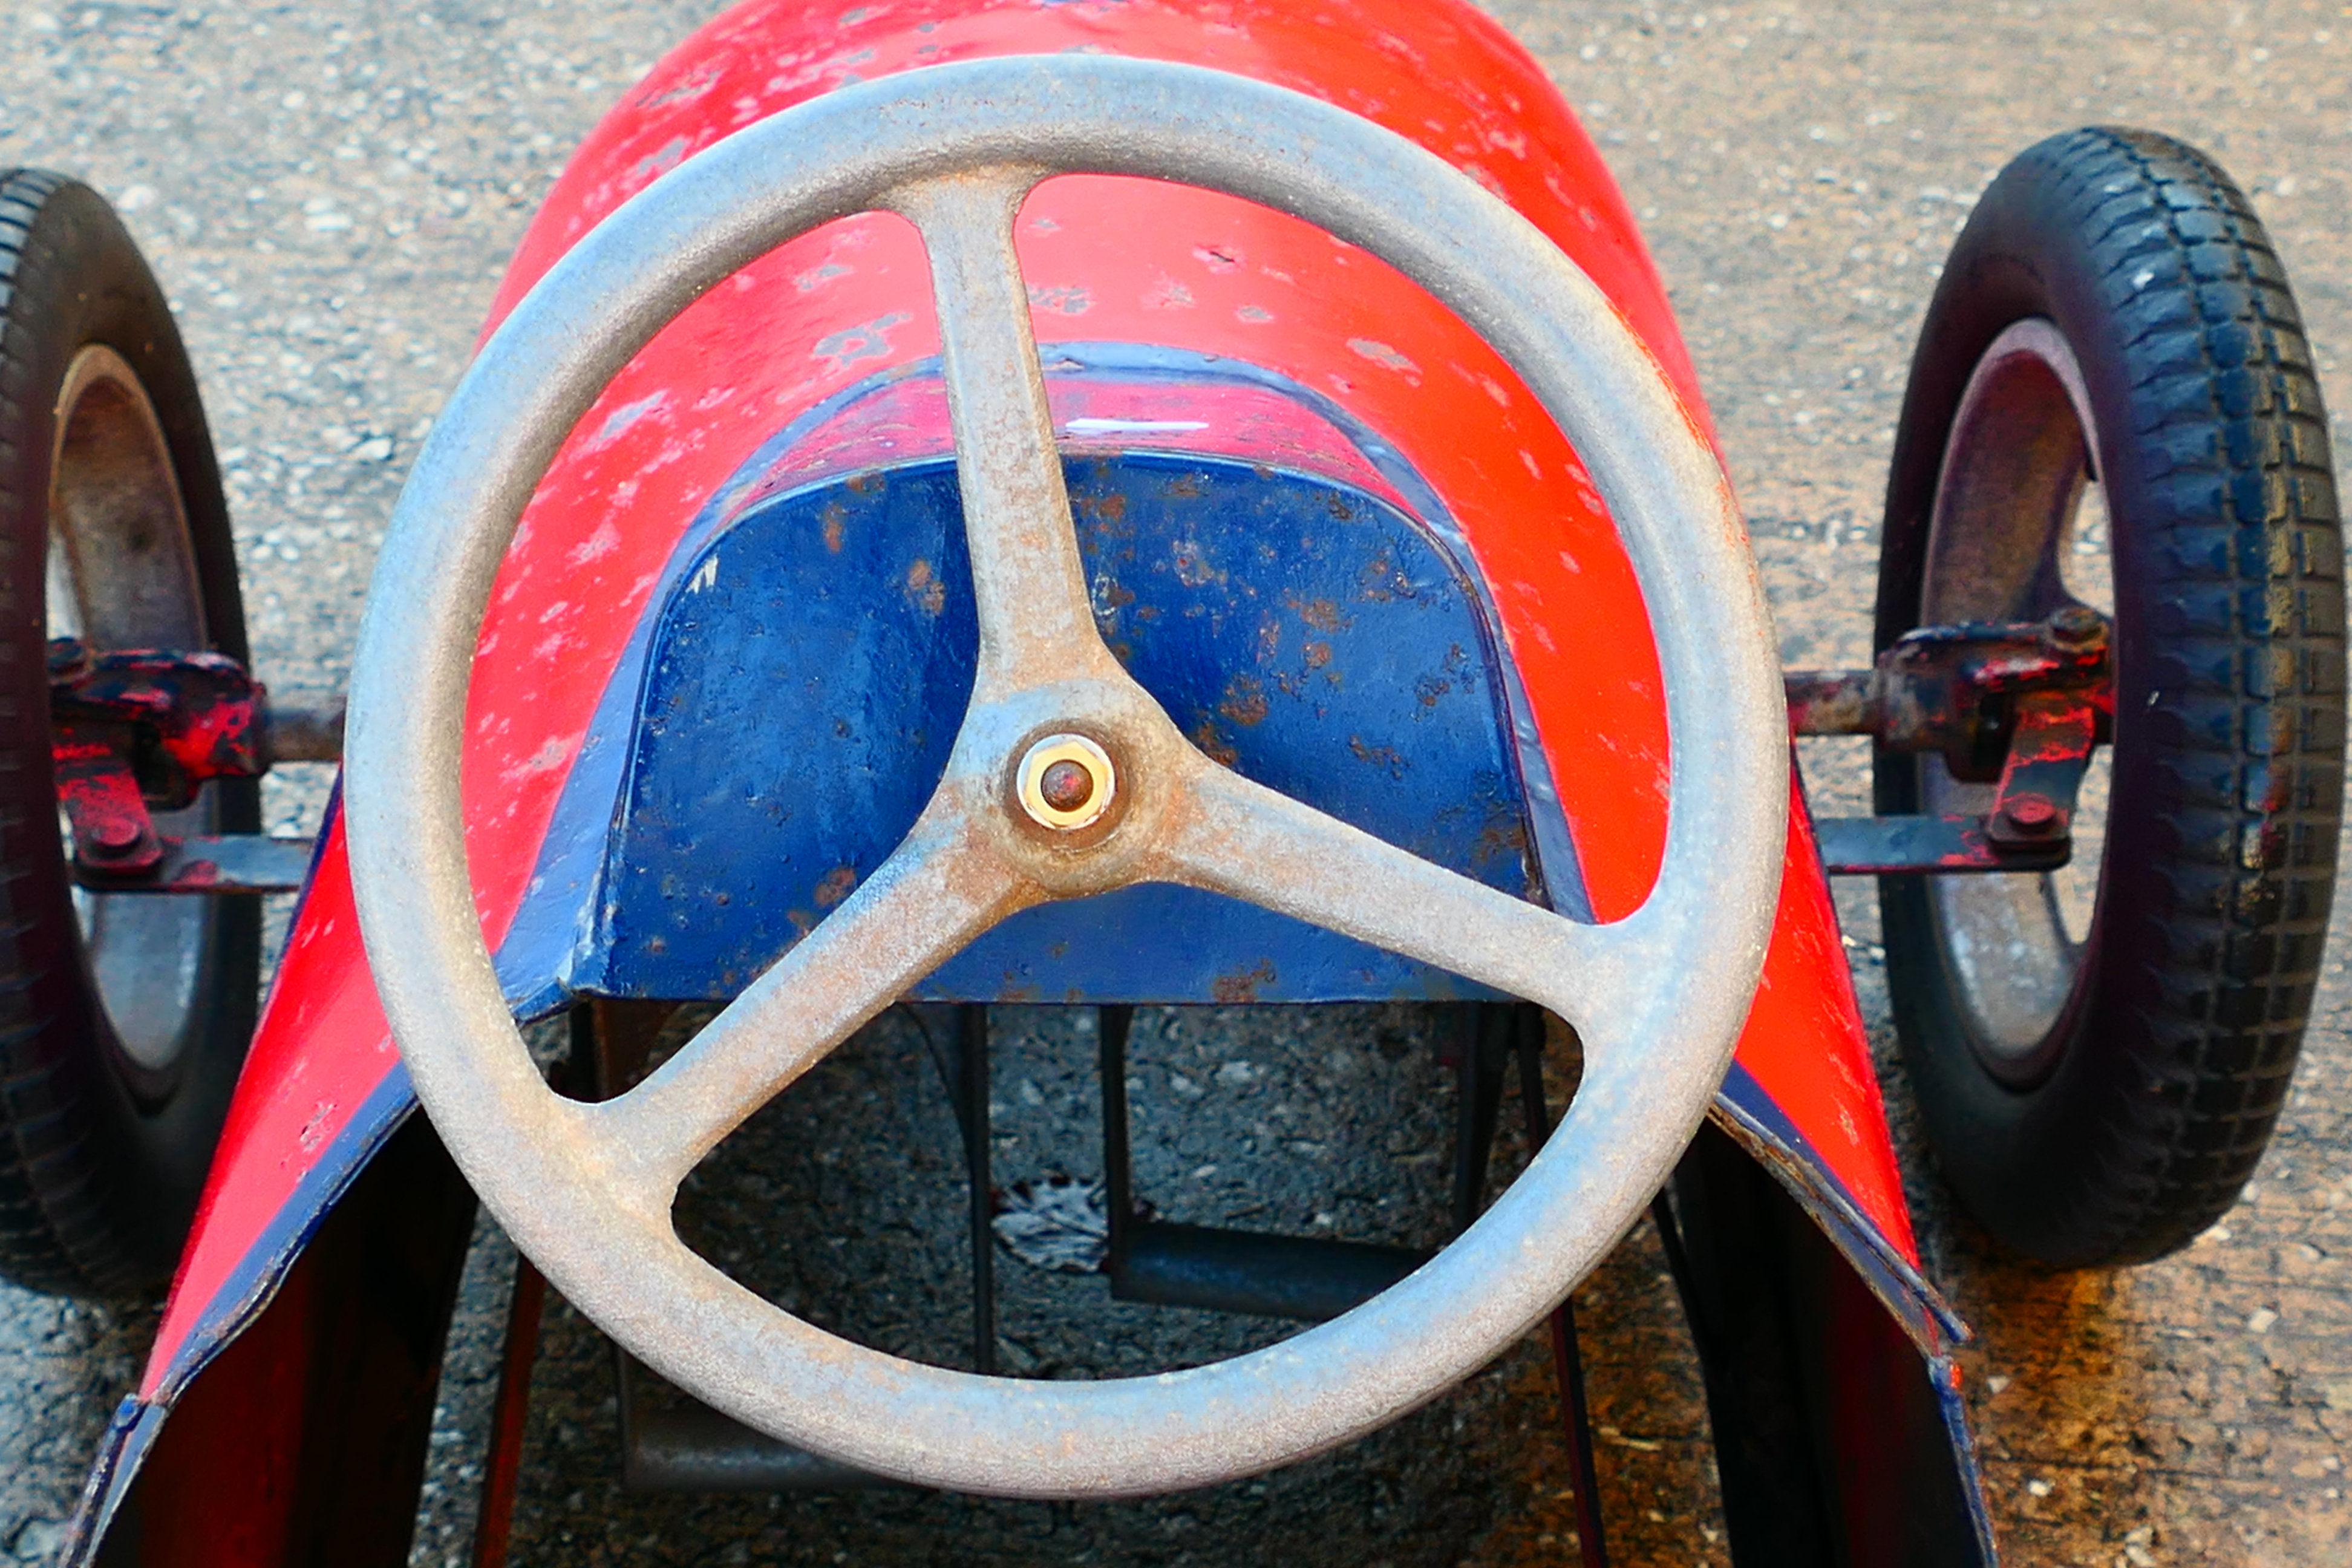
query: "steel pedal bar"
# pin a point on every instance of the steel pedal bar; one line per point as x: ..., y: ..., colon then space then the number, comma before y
x: 230, y: 863
x: 1892, y: 845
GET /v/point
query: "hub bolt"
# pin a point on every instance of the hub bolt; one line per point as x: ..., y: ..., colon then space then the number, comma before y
x: 2030, y: 816
x: 1065, y: 783
x: 1065, y: 786
x: 2075, y: 629
x: 115, y: 836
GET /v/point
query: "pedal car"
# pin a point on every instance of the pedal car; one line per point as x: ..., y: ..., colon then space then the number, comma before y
x: 1133, y: 507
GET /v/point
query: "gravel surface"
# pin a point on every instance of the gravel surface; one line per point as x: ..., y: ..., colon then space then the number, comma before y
x: 329, y: 192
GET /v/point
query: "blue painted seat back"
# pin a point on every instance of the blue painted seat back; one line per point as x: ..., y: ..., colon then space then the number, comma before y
x: 807, y: 674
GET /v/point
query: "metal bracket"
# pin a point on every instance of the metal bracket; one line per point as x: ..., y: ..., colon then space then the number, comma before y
x: 116, y: 848
x: 1954, y: 688
x: 1311, y: 1278
x: 2022, y: 703
x: 142, y: 730
x: 227, y: 863
x: 112, y: 834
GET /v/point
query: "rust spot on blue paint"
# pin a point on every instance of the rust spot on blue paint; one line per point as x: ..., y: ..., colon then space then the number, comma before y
x: 1245, y: 701
x: 1242, y: 986
x: 923, y: 586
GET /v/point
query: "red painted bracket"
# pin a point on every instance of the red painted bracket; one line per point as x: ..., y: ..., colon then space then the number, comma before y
x: 112, y: 834
x: 2021, y: 703
x: 142, y: 730
x: 186, y: 717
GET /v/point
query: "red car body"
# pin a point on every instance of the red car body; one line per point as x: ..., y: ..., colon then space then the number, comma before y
x: 1354, y: 376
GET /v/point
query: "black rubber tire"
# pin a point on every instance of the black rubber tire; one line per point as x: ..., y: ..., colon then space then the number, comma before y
x: 97, y: 1182
x: 2174, y: 1051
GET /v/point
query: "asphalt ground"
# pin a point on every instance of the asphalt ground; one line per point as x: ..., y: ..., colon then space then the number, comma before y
x: 329, y: 192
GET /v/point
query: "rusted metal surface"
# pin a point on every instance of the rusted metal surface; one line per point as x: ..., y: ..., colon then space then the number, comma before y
x: 303, y: 727
x: 1658, y: 997
x: 182, y: 718
x: 2048, y: 748
x: 140, y: 731
x: 2021, y: 703
x: 1954, y: 688
x: 112, y: 834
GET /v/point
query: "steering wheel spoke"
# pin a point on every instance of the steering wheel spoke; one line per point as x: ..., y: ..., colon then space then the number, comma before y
x: 1036, y: 620
x: 942, y: 888
x: 1256, y: 844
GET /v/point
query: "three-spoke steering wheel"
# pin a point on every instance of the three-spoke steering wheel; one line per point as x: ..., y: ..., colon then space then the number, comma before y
x: 1066, y: 779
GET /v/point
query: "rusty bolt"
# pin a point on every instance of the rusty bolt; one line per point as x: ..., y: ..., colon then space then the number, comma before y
x: 1065, y: 783
x: 2030, y: 816
x: 114, y: 838
x: 1065, y: 786
x: 2075, y: 629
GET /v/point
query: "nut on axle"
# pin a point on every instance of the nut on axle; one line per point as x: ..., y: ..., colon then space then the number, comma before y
x: 1065, y: 781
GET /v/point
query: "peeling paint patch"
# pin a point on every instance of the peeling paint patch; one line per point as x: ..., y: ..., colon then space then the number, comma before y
x: 1062, y: 299
x: 815, y: 277
x: 1253, y: 314
x: 705, y: 576
x: 870, y: 340
x: 596, y: 546
x: 1382, y: 354
x: 546, y: 760
x: 1245, y: 701
x: 1168, y: 295
x: 1388, y: 758
x: 1088, y: 427
x: 1323, y: 614
x: 617, y: 423
x: 660, y: 162
x: 1213, y: 744
x: 1193, y: 568
x: 693, y: 85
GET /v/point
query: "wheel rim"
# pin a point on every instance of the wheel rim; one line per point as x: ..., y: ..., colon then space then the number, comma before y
x: 122, y: 574
x: 586, y: 1190
x: 2019, y: 529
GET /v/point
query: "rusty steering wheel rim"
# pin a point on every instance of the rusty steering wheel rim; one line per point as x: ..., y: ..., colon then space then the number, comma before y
x: 586, y: 1190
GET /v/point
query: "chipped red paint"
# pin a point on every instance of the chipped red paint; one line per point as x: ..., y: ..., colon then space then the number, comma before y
x: 202, y: 708
x: 2047, y: 754
x: 100, y: 795
x: 1108, y: 260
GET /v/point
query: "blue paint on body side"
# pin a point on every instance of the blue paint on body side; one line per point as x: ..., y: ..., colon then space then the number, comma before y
x: 809, y: 669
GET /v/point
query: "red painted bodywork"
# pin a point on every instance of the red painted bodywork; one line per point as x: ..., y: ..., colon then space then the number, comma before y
x: 1107, y: 260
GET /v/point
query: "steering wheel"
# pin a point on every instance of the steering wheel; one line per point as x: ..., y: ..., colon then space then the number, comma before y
x: 1066, y: 779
